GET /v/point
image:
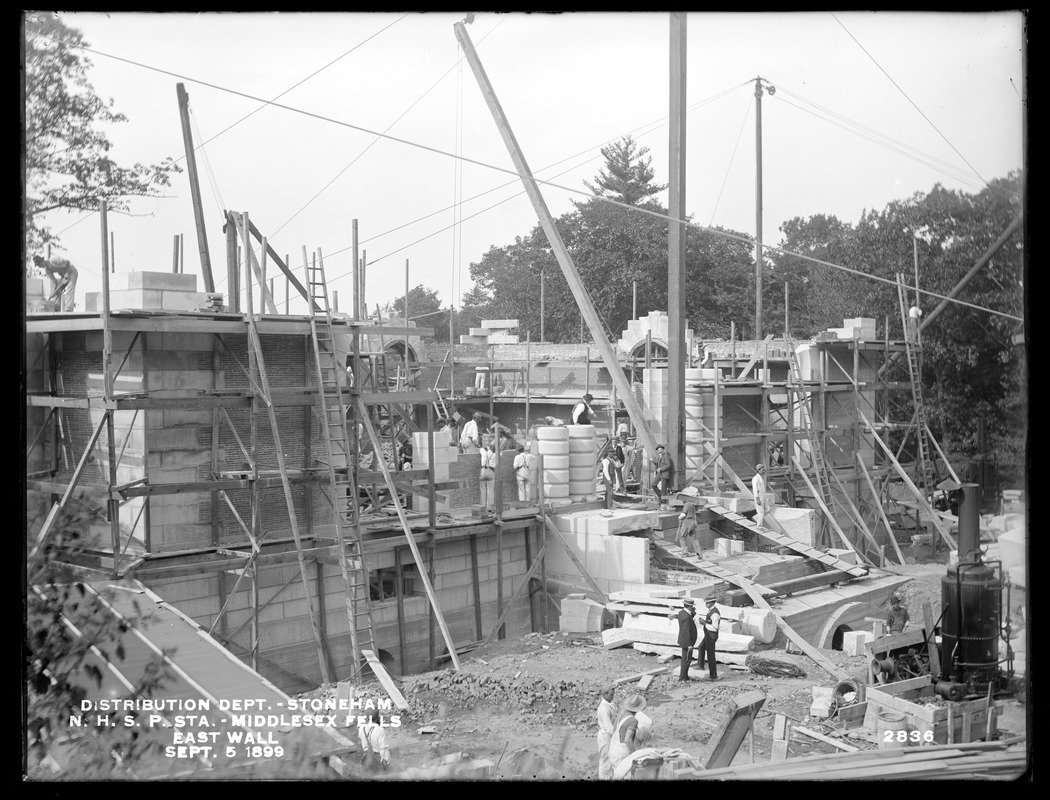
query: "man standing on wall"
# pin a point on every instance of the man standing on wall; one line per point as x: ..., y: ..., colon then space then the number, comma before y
x: 523, y: 473
x: 470, y: 437
x: 581, y: 412
x: 487, y: 477
x: 608, y: 477
x: 63, y: 278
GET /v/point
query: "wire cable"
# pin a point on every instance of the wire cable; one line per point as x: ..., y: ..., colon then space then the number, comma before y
x: 884, y: 72
x: 771, y: 667
x: 729, y: 166
x: 666, y: 217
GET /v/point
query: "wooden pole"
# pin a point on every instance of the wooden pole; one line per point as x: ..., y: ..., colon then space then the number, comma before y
x: 195, y: 191
x: 543, y: 276
x: 182, y: 254
x: 475, y: 582
x: 757, y: 334
x: 370, y: 430
x: 175, y: 255
x: 677, y: 354
x: 528, y: 378
x: 107, y: 382
x: 355, y: 274
x: 233, y: 294
x: 399, y: 573
x: 287, y: 283
x: 112, y: 253
x: 565, y: 261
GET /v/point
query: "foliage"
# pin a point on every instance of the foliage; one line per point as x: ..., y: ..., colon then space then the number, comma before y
x: 424, y: 309
x: 627, y: 175
x: 69, y: 632
x: 67, y: 152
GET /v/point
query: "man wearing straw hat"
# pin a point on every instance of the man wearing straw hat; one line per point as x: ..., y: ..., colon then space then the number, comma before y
x: 626, y: 738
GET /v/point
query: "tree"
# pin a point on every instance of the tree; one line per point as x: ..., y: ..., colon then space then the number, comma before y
x: 627, y: 176
x: 68, y: 629
x: 424, y: 309
x: 67, y: 161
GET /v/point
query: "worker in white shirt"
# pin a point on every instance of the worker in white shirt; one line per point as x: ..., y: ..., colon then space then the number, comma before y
x: 707, y: 644
x: 608, y: 478
x: 914, y: 314
x: 581, y: 412
x: 523, y: 473
x: 487, y: 476
x: 758, y: 489
x: 606, y: 722
x: 375, y: 751
x: 470, y: 436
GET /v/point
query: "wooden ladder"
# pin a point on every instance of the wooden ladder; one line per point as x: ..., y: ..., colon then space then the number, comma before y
x: 341, y: 457
x: 926, y: 470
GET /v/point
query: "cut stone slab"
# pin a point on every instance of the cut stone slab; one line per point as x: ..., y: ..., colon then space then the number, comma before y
x: 605, y: 522
x: 797, y: 523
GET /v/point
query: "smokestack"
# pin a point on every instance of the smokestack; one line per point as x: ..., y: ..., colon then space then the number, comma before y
x: 969, y: 522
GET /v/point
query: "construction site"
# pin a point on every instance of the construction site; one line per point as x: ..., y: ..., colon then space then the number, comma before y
x: 300, y: 503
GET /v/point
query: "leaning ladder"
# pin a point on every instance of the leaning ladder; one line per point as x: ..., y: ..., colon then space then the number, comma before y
x: 341, y: 457
x: 926, y: 473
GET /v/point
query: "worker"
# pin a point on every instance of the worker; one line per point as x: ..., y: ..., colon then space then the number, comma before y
x: 686, y: 537
x: 914, y: 313
x: 375, y: 753
x: 686, y: 635
x: 523, y: 473
x: 758, y: 489
x: 608, y: 477
x: 619, y: 458
x: 623, y: 430
x: 63, y: 278
x: 625, y: 739
x: 470, y: 437
x: 487, y: 476
x: 606, y: 720
x: 581, y: 412
x: 664, y: 467
x: 897, y: 619
x: 707, y: 644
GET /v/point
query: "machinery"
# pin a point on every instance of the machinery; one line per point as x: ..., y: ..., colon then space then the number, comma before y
x: 972, y: 621
x: 972, y: 626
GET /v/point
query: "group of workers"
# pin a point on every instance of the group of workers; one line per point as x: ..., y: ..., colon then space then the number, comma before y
x: 620, y: 734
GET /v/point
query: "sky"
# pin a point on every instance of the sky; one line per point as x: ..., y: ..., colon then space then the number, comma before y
x: 376, y: 117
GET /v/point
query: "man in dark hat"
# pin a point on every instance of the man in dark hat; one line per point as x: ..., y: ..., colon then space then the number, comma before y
x: 664, y: 478
x: 581, y: 412
x: 707, y: 644
x: 686, y: 635
x: 897, y: 619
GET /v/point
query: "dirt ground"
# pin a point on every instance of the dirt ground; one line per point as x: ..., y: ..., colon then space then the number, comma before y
x: 528, y: 704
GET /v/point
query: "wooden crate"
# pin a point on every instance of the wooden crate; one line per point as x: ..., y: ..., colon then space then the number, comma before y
x: 969, y: 719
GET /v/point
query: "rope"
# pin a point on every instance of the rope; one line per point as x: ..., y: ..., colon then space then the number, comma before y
x: 773, y: 668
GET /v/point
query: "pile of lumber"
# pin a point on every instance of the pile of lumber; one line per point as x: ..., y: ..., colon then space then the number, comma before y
x: 989, y: 760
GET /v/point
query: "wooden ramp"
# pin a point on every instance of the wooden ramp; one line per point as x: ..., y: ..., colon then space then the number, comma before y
x: 792, y: 544
x: 711, y: 568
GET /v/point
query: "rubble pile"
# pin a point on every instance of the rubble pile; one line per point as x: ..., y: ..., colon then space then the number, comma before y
x: 530, y: 695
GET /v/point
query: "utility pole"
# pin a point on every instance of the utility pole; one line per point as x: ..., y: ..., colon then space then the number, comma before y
x: 676, y: 349
x: 758, y: 202
x: 543, y: 337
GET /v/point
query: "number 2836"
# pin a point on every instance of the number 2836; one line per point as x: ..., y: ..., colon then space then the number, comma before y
x: 908, y: 736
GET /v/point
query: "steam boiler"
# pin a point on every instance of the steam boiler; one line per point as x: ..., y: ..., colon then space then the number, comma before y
x: 972, y: 614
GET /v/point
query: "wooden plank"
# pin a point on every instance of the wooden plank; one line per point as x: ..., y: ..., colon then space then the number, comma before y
x: 639, y: 675
x: 385, y: 679
x: 754, y: 360
x: 505, y: 612
x: 807, y: 648
x: 820, y: 737
x: 727, y: 738
x: 781, y: 738
x: 886, y: 643
x: 787, y: 541
x: 941, y: 529
x: 644, y: 681
x: 625, y: 642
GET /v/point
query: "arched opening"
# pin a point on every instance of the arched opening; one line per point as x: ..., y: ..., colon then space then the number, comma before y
x: 838, y: 635
x: 398, y: 373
